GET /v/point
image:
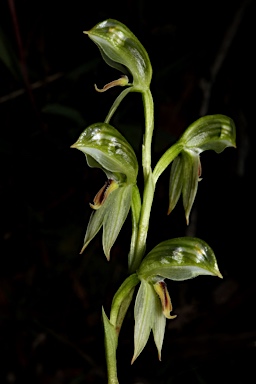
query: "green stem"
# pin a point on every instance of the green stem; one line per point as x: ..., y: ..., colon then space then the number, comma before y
x: 140, y: 217
x: 122, y: 300
x: 111, y: 341
x: 149, y: 127
x: 149, y: 185
x: 135, y: 211
x: 117, y: 102
x: 112, y: 326
x: 140, y: 246
x: 111, y: 364
x: 166, y: 159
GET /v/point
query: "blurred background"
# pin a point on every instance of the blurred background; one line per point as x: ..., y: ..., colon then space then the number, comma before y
x: 203, y: 61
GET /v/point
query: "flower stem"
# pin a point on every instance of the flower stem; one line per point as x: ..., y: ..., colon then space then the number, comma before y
x: 140, y: 216
x: 149, y: 127
x: 111, y: 341
x: 149, y: 185
x: 135, y: 211
x: 117, y: 102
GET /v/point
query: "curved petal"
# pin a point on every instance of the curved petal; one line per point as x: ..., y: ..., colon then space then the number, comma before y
x: 181, y: 258
x: 106, y: 148
x: 214, y: 132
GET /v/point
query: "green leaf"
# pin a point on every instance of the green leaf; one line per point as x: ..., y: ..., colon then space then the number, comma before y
x: 111, y: 341
x: 120, y: 48
x: 109, y: 151
x: 109, y: 330
x: 179, y: 259
x: 214, y: 132
x: 122, y: 300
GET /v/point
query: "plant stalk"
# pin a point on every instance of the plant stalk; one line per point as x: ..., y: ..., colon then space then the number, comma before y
x: 149, y: 185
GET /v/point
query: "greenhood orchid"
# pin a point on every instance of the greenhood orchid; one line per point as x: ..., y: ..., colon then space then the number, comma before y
x: 215, y: 132
x: 176, y: 259
x: 212, y: 132
x: 105, y: 148
x: 122, y: 50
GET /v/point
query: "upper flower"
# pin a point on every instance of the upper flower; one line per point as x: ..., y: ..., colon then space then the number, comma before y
x: 121, y: 49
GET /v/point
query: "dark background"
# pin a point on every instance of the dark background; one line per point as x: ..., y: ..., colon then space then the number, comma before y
x: 50, y: 296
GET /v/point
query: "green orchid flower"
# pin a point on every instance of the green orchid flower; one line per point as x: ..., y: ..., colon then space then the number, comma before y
x: 121, y: 49
x: 213, y: 132
x: 105, y: 148
x: 176, y: 259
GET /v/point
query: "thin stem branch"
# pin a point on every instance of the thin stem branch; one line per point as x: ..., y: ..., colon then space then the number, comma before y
x: 116, y: 103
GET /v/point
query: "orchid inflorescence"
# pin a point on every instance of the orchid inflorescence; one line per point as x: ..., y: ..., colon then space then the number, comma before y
x: 105, y: 148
